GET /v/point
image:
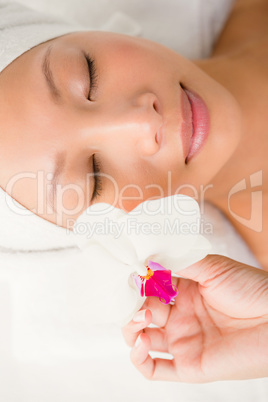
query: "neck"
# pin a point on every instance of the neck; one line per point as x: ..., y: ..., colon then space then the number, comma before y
x: 227, y: 72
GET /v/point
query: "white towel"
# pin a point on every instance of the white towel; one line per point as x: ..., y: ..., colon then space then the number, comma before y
x: 22, y: 28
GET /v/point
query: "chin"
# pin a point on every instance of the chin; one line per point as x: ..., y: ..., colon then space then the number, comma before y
x: 224, y: 137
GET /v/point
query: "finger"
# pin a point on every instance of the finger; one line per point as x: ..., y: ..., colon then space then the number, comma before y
x: 160, y: 311
x: 153, y: 369
x: 132, y: 330
x: 208, y: 268
x: 224, y: 284
x: 158, y: 339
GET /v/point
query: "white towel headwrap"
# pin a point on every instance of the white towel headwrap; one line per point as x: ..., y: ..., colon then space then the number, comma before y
x: 20, y: 30
x: 22, y: 230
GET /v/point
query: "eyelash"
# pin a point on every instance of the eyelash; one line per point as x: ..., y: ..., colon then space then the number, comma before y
x: 92, y: 75
x: 97, y: 181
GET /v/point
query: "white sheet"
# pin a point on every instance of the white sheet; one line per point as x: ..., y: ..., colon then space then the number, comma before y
x: 49, y: 351
x: 187, y: 26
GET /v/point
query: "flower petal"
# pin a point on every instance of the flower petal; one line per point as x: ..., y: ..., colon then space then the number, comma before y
x: 154, y: 266
x: 170, y: 232
x: 160, y: 285
x: 110, y: 298
x: 139, y: 282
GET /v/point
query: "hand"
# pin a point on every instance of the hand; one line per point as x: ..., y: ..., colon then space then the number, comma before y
x: 216, y: 330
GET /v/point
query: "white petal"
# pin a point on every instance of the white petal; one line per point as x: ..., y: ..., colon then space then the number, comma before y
x: 113, y: 300
x: 102, y: 224
x: 172, y: 231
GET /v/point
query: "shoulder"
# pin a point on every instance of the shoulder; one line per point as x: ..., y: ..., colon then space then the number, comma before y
x: 249, y: 216
x: 247, y: 23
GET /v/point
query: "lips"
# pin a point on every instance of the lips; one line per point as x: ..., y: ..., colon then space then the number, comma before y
x: 195, y: 124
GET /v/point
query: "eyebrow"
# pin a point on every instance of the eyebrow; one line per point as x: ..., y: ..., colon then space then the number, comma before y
x: 58, y: 169
x: 46, y: 69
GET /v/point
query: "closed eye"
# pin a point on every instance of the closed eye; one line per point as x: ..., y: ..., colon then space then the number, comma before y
x: 97, y: 180
x: 93, y: 77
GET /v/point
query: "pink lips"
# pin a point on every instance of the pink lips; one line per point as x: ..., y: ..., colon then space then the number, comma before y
x: 195, y: 125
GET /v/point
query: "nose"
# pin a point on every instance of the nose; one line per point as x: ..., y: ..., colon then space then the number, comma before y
x: 129, y: 125
x: 147, y: 123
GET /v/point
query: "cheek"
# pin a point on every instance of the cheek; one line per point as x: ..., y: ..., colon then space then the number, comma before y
x: 135, y: 63
x: 126, y: 191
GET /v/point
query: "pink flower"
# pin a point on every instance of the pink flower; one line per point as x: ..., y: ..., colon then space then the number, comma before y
x: 157, y: 283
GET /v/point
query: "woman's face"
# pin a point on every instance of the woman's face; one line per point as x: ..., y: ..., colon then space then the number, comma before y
x: 120, y: 136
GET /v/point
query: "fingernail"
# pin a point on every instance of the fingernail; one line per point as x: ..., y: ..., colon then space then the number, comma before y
x: 139, y: 316
x: 138, y: 341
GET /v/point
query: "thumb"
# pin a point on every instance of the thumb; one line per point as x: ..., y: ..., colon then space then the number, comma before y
x: 208, y: 268
x: 234, y: 288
